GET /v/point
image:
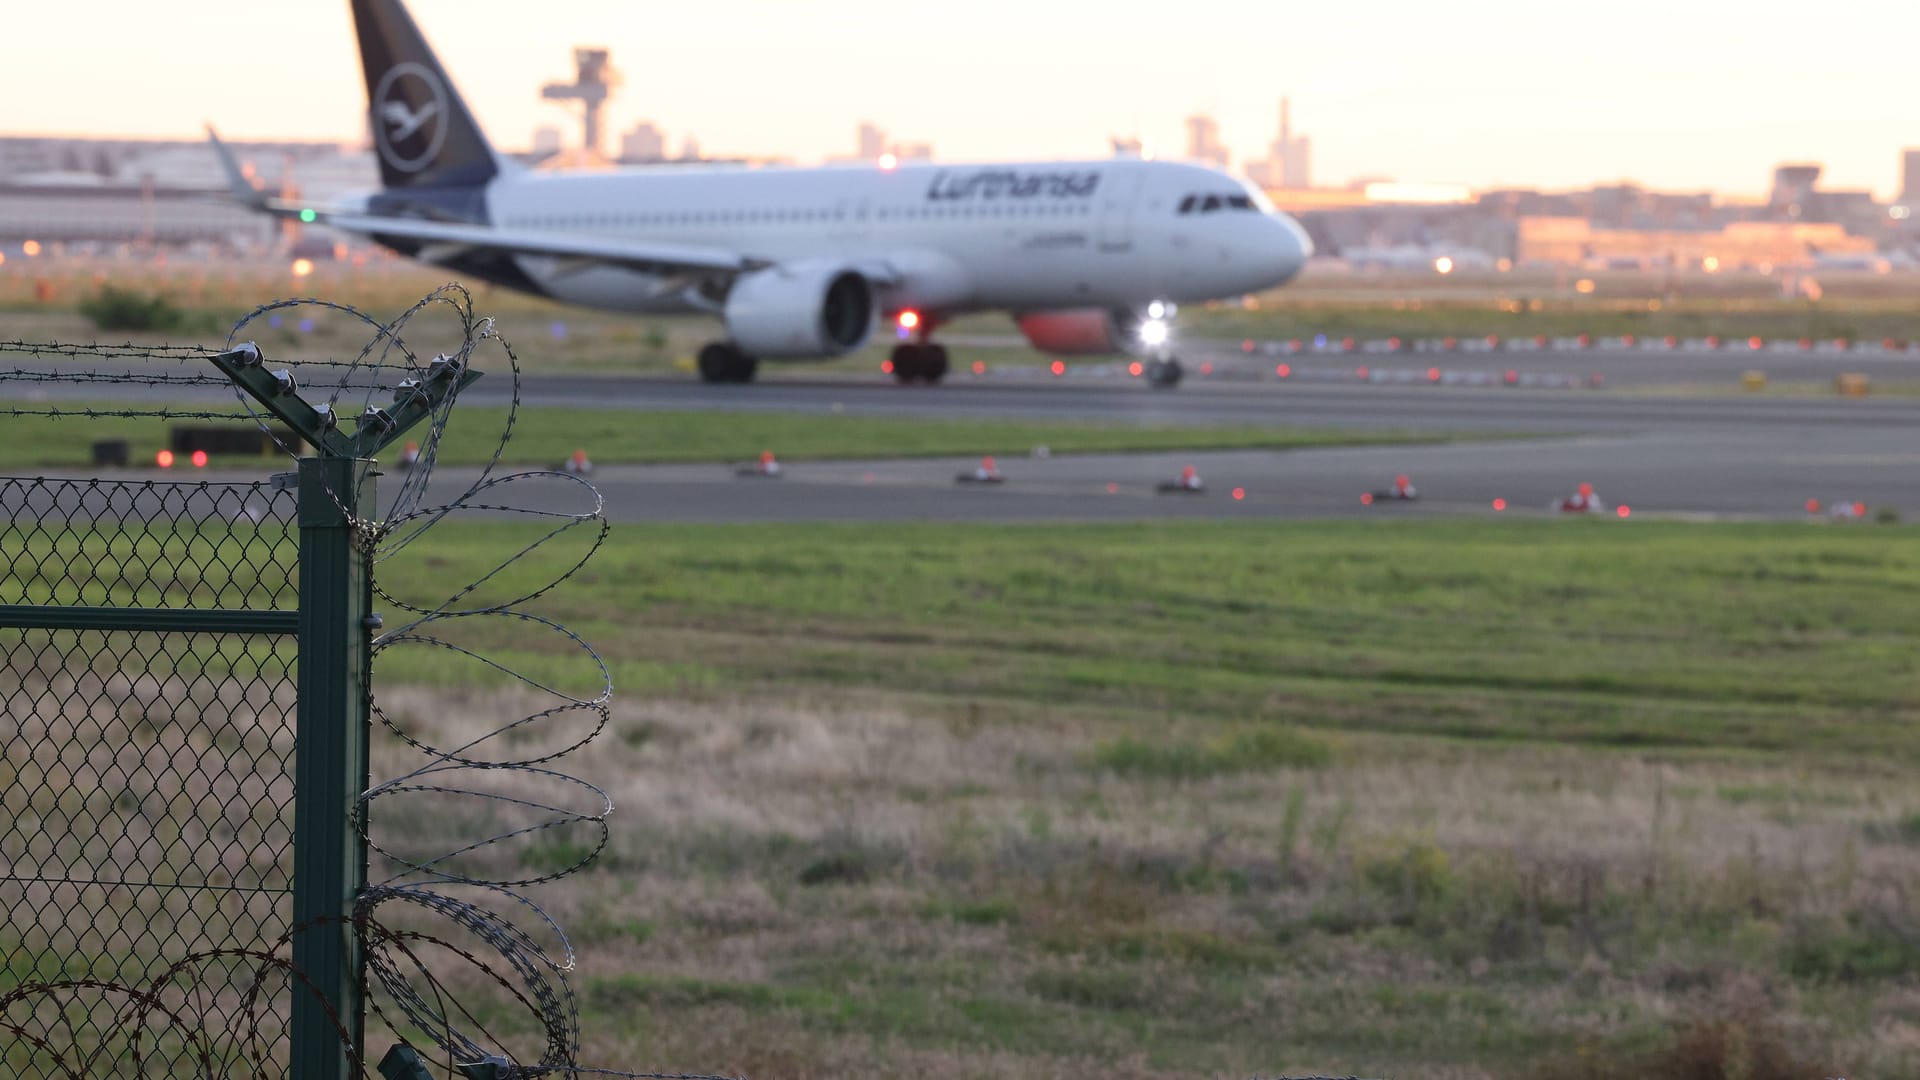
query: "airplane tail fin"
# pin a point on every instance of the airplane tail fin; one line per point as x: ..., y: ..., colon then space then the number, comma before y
x: 423, y: 133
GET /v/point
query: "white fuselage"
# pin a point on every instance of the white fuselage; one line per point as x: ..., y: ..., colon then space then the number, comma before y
x: 942, y: 238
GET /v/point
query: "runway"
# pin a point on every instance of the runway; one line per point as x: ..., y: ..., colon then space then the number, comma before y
x: 1678, y: 454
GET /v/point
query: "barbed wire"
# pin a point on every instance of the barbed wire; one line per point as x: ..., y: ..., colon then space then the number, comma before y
x: 433, y: 904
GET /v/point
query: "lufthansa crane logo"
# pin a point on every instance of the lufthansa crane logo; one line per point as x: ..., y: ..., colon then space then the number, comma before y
x: 409, y: 117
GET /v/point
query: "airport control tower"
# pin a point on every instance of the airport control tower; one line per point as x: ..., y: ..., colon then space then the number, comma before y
x: 593, y: 84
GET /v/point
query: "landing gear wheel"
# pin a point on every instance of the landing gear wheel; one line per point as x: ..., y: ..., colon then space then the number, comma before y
x: 1164, y: 374
x: 919, y: 363
x: 724, y: 363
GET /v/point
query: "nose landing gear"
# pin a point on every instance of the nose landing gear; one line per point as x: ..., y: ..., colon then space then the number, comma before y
x: 1164, y: 373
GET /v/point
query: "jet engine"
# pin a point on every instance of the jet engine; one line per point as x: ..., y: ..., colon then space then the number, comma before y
x: 1085, y: 331
x: 806, y: 308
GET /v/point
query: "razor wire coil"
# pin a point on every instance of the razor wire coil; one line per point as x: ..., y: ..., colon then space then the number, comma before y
x: 425, y: 908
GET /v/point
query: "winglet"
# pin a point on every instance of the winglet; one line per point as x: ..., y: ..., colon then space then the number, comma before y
x: 243, y: 190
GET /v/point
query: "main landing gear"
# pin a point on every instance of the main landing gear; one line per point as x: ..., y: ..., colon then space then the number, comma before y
x: 723, y: 362
x: 1164, y: 373
x: 919, y: 362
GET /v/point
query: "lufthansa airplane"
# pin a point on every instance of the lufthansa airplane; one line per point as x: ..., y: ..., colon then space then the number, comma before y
x: 1089, y: 257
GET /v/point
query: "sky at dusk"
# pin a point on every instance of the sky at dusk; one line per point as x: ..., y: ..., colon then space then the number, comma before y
x: 1679, y: 95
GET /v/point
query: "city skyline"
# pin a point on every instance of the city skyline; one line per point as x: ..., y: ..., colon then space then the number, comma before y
x: 1491, y: 93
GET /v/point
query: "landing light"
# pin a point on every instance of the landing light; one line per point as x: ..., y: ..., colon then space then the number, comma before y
x: 302, y: 267
x: 1443, y: 265
x: 889, y: 162
x: 1156, y: 310
x: 1153, y: 332
x: 909, y: 320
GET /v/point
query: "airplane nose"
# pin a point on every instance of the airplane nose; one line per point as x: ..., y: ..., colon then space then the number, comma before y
x: 1288, y: 248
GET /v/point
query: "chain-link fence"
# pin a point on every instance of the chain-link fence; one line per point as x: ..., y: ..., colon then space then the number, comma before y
x: 146, y: 786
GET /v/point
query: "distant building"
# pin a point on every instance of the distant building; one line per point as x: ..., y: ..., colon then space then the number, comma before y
x: 1910, y: 178
x: 161, y: 192
x: 1792, y: 190
x: 1203, y: 141
x: 1287, y: 164
x: 643, y: 143
x: 870, y: 142
x: 689, y: 149
x: 546, y: 141
x: 1738, y: 245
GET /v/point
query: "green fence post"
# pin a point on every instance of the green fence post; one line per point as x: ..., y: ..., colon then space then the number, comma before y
x: 330, y: 770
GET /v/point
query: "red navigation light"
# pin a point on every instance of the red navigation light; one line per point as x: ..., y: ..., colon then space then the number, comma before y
x: 1624, y: 510
x: 164, y: 459
x: 1285, y: 371
x: 1239, y: 494
x: 1059, y: 367
x: 1499, y: 504
x: 199, y: 459
x: 909, y: 319
x: 1133, y: 369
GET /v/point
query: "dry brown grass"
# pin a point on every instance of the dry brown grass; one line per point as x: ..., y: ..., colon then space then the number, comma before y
x: 849, y: 888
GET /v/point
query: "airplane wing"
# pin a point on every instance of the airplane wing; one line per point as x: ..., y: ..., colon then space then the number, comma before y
x: 440, y: 240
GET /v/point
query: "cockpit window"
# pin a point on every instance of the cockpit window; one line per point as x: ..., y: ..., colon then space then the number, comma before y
x: 1207, y: 204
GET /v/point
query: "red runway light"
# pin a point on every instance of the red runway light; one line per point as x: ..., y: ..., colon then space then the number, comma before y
x: 1499, y: 504
x: 1393, y: 343
x: 199, y: 459
x: 1059, y: 367
x: 1113, y: 489
x: 1133, y: 369
x: 1624, y: 510
x: 1247, y: 345
x: 1285, y: 371
x: 164, y: 459
x: 1364, y: 372
x: 1755, y: 343
x: 1513, y: 377
x: 1206, y: 368
x: 1433, y: 374
x: 1347, y: 344
x: 1813, y: 506
x: 1239, y: 494
x: 886, y: 367
x: 979, y: 367
x: 1859, y: 509
x: 1366, y: 498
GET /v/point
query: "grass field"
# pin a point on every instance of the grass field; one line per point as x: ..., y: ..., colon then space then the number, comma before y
x: 613, y: 436
x: 39, y: 300
x: 1527, y: 799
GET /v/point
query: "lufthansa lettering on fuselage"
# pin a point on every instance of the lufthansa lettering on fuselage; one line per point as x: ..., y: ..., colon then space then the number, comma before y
x: 1010, y: 184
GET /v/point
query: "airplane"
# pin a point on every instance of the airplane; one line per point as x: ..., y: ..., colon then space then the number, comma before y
x: 1090, y: 257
